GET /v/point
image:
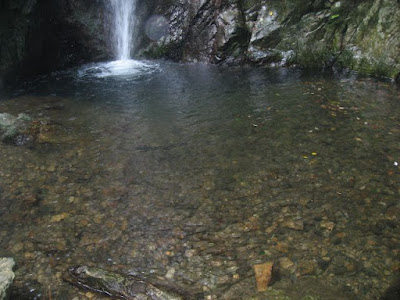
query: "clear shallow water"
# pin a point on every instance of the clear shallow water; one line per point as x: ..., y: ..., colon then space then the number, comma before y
x: 194, y: 174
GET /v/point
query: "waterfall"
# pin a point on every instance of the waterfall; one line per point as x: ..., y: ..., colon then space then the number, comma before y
x: 123, y: 12
x: 122, y: 18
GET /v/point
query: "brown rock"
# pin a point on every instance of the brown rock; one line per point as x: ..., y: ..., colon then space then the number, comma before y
x: 263, y: 274
x: 285, y: 263
x: 392, y: 213
x: 282, y: 247
x: 327, y: 225
x: 307, y: 267
x: 59, y: 217
x: 252, y: 224
x: 29, y: 255
x: 293, y: 224
x: 271, y: 229
x: 304, y: 201
x: 395, y: 267
x: 340, y: 235
x: 52, y: 167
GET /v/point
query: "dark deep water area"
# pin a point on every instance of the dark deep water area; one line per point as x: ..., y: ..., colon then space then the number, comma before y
x: 194, y: 173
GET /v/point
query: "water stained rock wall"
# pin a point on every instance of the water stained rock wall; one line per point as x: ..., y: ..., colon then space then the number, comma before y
x: 201, y: 30
x: 44, y: 35
x: 360, y: 34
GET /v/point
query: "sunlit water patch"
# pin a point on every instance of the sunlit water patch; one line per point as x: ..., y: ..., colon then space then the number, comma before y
x: 195, y: 174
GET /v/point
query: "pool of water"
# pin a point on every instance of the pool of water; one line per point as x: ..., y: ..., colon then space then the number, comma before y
x: 193, y: 174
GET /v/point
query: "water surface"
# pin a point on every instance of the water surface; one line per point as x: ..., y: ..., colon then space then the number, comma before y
x: 193, y: 174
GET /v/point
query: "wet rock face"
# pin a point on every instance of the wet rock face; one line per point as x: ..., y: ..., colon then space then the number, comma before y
x: 205, y: 31
x: 39, y: 36
x: 6, y: 276
x: 361, y: 35
x: 43, y: 35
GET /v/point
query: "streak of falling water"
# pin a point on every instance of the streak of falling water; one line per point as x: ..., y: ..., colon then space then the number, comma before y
x: 123, y: 18
x: 123, y: 11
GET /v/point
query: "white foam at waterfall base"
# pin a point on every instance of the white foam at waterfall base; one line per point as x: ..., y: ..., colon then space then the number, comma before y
x: 128, y: 68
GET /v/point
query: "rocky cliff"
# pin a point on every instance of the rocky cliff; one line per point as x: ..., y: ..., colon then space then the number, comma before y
x: 44, y: 35
x: 360, y: 34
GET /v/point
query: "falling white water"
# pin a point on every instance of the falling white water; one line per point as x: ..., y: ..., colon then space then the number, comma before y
x: 124, y: 11
x: 123, y: 16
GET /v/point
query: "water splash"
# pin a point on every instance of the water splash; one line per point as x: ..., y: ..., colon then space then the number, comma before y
x: 124, y: 11
x: 131, y: 69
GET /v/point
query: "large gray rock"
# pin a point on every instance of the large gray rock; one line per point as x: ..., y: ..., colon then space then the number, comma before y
x: 6, y: 276
x: 14, y: 129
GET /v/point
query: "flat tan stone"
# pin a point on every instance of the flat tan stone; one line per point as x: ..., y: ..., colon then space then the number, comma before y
x: 263, y: 274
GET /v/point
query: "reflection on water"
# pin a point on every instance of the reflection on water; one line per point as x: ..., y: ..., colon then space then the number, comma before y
x: 194, y: 174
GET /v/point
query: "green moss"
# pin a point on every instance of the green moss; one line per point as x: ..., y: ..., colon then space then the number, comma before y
x: 311, y: 57
x: 169, y: 50
x: 345, y: 60
x: 155, y: 52
x: 381, y: 68
x: 309, y: 297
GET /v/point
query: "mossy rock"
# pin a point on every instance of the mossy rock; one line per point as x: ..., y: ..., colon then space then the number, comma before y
x: 14, y: 129
x: 159, y: 50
